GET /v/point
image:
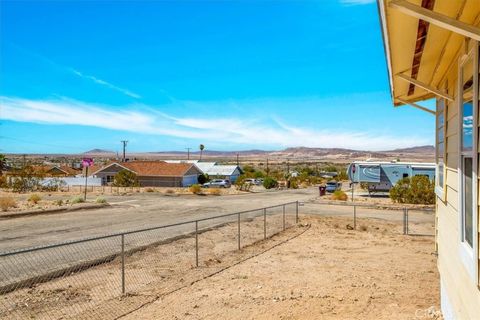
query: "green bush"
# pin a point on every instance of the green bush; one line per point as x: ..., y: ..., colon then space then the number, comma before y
x: 241, y: 185
x: 270, y: 183
x: 58, y: 202
x: 125, y: 178
x: 415, y: 190
x: 77, y: 200
x: 100, y: 200
x: 202, y: 178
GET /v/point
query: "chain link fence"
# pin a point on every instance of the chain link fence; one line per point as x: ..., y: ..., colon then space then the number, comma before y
x: 91, y: 277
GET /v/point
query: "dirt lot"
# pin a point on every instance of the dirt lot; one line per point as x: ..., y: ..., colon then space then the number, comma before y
x: 327, y: 272
x: 319, y: 269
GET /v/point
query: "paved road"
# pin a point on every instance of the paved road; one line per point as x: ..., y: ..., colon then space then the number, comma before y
x: 133, y: 212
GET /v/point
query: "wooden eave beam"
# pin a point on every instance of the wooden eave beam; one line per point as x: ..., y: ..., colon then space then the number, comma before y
x: 415, y: 105
x: 437, y: 19
x: 425, y: 86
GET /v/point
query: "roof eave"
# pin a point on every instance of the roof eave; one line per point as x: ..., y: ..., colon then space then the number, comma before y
x: 386, y: 45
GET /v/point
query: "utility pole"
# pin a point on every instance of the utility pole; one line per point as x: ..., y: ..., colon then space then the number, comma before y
x: 124, y: 142
x: 237, y: 160
x: 268, y: 170
x: 188, y: 153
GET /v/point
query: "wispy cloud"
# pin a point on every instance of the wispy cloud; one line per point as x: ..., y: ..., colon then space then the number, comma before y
x: 356, y: 2
x: 106, y: 84
x: 217, y: 131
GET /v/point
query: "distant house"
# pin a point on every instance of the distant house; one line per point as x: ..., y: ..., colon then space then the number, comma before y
x: 214, y: 170
x: 217, y: 171
x: 152, y: 173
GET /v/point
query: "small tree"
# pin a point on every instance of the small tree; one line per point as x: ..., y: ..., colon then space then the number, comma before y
x: 203, y: 178
x: 415, y: 190
x: 201, y: 147
x: 125, y: 178
x: 270, y: 183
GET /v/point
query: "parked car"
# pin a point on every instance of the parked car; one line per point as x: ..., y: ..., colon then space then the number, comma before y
x: 333, y: 186
x: 218, y: 183
x: 252, y: 181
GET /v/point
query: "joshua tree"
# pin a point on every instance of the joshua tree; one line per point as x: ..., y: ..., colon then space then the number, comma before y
x: 201, y: 150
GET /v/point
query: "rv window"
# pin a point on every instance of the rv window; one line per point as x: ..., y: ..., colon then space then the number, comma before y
x: 405, y: 175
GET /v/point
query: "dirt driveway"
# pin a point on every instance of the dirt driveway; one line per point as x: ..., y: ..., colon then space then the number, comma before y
x: 328, y: 272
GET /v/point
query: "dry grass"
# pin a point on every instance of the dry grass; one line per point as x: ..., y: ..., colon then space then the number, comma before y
x: 169, y: 191
x: 214, y: 191
x: 339, y: 195
x: 7, y: 203
x: 34, y: 198
x: 149, y: 190
x: 195, y: 188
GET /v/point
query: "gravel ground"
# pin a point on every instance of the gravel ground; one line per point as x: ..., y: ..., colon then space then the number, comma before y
x: 328, y: 272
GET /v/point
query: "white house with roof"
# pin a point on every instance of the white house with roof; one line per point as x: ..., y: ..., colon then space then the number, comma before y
x: 214, y: 170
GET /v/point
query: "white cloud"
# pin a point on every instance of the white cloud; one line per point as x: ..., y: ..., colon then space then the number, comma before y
x: 147, y: 120
x: 106, y: 84
x: 356, y: 2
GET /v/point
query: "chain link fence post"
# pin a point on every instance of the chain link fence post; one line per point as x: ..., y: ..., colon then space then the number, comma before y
x: 354, y: 217
x: 239, y: 231
x: 196, y: 243
x: 296, y: 212
x: 406, y: 215
x: 404, y: 221
x: 123, y: 264
x: 283, y: 217
x: 264, y: 223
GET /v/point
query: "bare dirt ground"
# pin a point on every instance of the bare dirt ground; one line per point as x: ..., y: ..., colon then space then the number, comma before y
x: 327, y: 272
x: 317, y: 270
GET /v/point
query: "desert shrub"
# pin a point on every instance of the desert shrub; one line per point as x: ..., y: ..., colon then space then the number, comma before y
x: 125, y: 178
x: 422, y: 190
x: 363, y: 227
x: 339, y: 195
x: 34, y: 198
x: 100, y: 200
x: 203, y: 178
x: 294, y: 184
x: 7, y: 203
x: 77, y: 200
x: 214, y: 191
x: 195, y: 188
x: 415, y: 190
x: 241, y: 185
x: 149, y: 190
x: 3, y: 182
x: 170, y: 191
x: 270, y: 183
x: 58, y: 202
x: 26, y: 179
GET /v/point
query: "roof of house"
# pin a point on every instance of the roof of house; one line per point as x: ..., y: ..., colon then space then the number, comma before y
x: 222, y: 170
x: 154, y: 168
x: 422, y: 39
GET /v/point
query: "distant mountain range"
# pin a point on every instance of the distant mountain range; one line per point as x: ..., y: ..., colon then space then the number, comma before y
x: 418, y: 153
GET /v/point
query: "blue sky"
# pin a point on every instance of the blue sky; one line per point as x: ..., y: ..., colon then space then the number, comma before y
x: 166, y: 75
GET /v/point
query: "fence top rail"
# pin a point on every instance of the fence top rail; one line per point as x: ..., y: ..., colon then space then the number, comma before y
x: 119, y: 234
x: 373, y: 206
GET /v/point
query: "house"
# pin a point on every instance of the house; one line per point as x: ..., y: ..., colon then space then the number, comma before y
x: 382, y: 176
x: 152, y: 173
x: 46, y: 171
x: 214, y: 170
x: 432, y: 52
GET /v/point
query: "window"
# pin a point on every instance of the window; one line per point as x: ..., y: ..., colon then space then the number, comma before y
x: 466, y: 146
x: 440, y: 149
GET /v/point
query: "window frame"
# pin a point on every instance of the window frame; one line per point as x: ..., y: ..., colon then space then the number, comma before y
x: 440, y: 167
x: 468, y: 254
